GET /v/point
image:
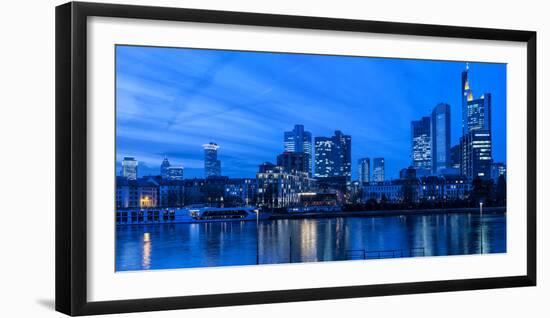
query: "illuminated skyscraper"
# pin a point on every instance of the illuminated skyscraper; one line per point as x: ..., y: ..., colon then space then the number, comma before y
x: 476, y: 113
x: 164, y: 168
x: 378, y: 173
x: 476, y: 154
x: 421, y: 143
x: 324, y: 158
x: 466, y: 94
x: 333, y: 156
x: 212, y: 166
x: 441, y: 138
x: 299, y: 140
x: 364, y: 170
x: 129, y: 168
x: 476, y: 141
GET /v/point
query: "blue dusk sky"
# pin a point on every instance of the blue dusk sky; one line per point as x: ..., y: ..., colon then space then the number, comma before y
x: 170, y: 101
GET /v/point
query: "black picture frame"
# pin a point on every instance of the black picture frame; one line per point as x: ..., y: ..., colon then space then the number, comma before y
x: 71, y: 157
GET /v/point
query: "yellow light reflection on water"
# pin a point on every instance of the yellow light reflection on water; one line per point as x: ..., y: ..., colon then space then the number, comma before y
x: 146, y: 260
x: 308, y: 240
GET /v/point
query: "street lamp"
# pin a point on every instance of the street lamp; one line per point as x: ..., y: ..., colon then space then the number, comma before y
x: 257, y: 236
x: 481, y: 227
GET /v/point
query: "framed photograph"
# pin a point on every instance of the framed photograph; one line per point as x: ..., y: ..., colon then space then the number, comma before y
x: 209, y: 158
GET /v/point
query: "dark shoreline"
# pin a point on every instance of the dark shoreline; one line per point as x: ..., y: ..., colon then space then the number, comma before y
x: 381, y: 213
x: 349, y: 214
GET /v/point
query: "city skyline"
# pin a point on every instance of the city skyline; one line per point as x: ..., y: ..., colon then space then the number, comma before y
x: 252, y: 131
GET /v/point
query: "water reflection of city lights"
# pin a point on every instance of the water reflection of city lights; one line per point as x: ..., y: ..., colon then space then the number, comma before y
x: 146, y: 260
x: 308, y: 242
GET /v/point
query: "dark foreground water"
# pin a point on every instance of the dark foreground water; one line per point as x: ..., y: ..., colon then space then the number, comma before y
x: 164, y: 246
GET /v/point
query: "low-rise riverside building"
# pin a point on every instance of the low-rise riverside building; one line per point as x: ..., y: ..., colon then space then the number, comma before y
x: 194, y: 191
x: 171, y: 193
x: 414, y: 190
x: 214, y: 187
x: 240, y: 191
x: 321, y: 198
x: 208, y: 191
x: 154, y: 191
x: 431, y: 188
x: 277, y: 189
x: 339, y: 184
x: 138, y: 193
x: 456, y: 187
x: 444, y: 188
x: 389, y: 191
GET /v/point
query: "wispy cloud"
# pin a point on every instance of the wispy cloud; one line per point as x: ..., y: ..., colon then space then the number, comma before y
x: 171, y: 101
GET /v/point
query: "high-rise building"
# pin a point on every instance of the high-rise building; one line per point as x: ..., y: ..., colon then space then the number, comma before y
x: 421, y: 143
x: 212, y: 166
x: 441, y: 137
x: 455, y: 157
x: 476, y: 113
x: 498, y: 169
x: 364, y: 170
x: 343, y: 146
x: 466, y: 94
x: 476, y: 141
x: 378, y: 174
x: 476, y: 154
x: 174, y: 173
x: 164, y: 168
x: 333, y: 156
x: 299, y: 140
x: 129, y: 168
x: 324, y: 157
x: 293, y: 162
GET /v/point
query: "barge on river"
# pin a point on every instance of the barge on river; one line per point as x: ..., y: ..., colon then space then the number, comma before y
x: 188, y: 215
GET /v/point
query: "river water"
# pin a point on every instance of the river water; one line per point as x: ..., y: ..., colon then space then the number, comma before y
x: 168, y: 246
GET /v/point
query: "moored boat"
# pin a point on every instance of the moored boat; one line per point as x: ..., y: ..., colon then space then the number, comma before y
x: 188, y: 215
